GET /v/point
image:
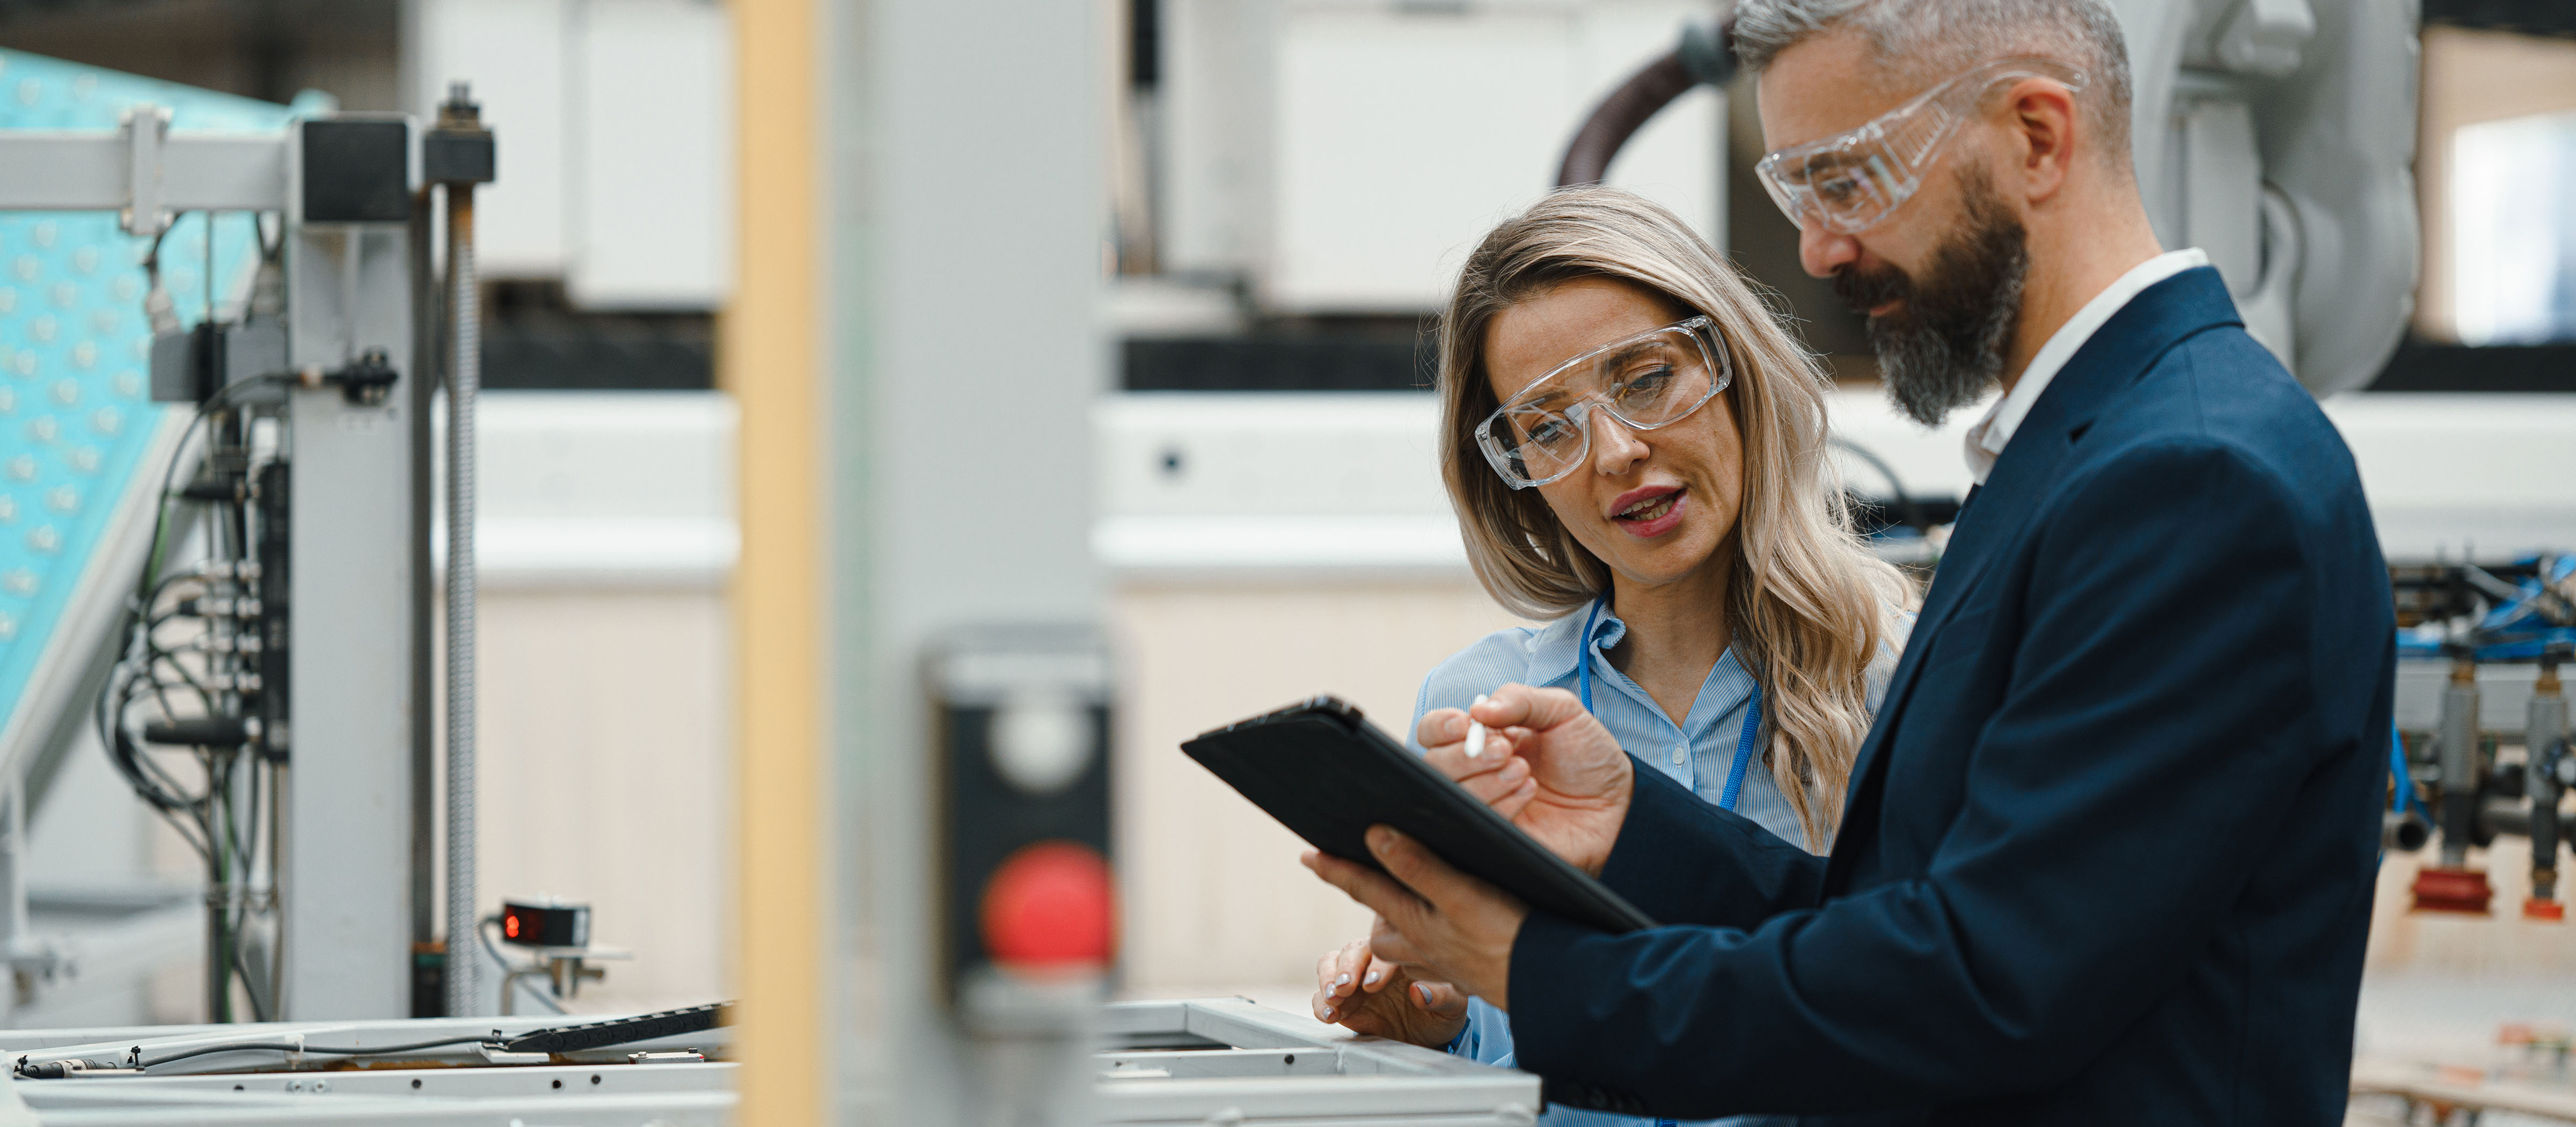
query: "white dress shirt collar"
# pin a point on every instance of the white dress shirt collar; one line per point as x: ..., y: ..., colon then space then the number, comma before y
x: 1986, y: 439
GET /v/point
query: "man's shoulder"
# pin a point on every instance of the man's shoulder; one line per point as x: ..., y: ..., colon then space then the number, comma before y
x: 2220, y: 394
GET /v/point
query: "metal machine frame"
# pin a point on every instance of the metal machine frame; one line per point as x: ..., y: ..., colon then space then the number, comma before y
x: 346, y: 921
x: 1196, y: 1061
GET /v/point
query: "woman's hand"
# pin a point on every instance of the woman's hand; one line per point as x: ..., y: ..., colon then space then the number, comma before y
x: 1431, y: 918
x: 1548, y: 765
x: 1370, y: 996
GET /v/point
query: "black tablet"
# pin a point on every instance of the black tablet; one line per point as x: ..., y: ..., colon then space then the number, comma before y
x: 1329, y: 774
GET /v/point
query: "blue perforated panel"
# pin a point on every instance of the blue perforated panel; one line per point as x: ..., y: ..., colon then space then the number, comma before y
x: 76, y: 418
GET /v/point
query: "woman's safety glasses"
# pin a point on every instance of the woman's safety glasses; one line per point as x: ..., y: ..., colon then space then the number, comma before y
x: 1851, y: 180
x: 1646, y: 381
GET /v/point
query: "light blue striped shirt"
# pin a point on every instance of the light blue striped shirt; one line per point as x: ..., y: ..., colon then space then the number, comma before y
x: 1695, y: 753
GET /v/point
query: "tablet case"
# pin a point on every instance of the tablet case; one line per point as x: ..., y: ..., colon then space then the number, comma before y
x: 1327, y: 773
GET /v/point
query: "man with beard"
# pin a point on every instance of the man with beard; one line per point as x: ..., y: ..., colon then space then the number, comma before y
x: 2108, y: 852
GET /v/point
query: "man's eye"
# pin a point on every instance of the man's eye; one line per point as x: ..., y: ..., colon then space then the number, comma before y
x: 1838, y: 189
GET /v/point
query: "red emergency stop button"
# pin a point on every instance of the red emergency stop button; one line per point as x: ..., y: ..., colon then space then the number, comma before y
x: 1050, y: 908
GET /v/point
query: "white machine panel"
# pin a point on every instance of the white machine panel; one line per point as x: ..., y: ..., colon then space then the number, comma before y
x: 513, y: 52
x: 618, y: 175
x: 1347, y: 154
x: 1350, y: 484
x: 652, y: 127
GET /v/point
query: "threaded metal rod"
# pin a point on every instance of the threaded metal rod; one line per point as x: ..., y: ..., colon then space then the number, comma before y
x: 465, y: 378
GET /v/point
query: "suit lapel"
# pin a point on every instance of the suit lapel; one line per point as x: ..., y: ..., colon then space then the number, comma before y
x: 2159, y: 317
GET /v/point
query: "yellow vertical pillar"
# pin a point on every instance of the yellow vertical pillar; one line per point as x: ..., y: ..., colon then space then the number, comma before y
x: 770, y: 357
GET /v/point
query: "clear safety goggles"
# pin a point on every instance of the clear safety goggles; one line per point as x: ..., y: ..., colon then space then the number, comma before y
x: 1650, y: 380
x: 1851, y: 180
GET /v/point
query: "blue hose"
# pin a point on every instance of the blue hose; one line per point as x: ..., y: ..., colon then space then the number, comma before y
x: 2404, y: 799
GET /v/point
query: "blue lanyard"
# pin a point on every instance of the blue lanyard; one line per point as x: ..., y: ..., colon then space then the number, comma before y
x: 1752, y: 708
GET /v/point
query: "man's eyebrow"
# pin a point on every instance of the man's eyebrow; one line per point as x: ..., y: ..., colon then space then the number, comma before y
x: 1830, y: 160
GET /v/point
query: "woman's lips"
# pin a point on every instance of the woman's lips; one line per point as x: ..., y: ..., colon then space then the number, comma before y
x: 1648, y: 527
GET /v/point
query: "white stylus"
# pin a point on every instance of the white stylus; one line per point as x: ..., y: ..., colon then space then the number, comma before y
x: 1475, y: 732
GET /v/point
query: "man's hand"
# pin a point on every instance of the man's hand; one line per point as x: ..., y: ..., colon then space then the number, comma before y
x: 1549, y: 766
x: 1371, y: 996
x: 1432, y: 920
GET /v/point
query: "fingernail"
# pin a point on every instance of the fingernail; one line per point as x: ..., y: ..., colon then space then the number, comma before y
x: 1372, y: 978
x: 1344, y: 980
x: 1380, y: 838
x: 1328, y: 1012
x: 1422, y: 992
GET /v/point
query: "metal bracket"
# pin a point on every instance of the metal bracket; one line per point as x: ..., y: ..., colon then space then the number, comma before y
x: 144, y: 128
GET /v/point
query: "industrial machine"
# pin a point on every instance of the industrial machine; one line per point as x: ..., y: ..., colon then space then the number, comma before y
x: 224, y: 567
x: 2455, y: 619
x: 1163, y: 1062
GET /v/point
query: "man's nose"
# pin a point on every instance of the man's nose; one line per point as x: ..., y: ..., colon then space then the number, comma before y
x: 1822, y: 251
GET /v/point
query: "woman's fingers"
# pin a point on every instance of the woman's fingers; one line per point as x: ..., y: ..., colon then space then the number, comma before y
x: 1376, y: 973
x: 1438, y: 999
x: 1326, y: 966
x: 1349, y: 962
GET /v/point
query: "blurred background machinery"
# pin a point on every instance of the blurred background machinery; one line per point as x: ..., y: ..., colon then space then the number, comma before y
x: 1288, y: 184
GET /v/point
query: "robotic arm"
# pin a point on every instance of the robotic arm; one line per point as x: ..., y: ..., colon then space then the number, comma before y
x: 2278, y: 135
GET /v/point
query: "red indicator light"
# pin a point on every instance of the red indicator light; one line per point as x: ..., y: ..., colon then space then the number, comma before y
x: 510, y: 925
x: 1051, y: 907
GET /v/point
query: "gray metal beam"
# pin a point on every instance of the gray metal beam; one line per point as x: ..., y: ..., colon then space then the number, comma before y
x: 92, y: 170
x: 347, y: 905
x: 965, y: 223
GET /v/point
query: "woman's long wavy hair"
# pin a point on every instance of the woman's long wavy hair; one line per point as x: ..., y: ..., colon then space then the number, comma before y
x: 1809, y: 602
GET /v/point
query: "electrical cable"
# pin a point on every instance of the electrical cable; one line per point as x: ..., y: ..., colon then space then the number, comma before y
x: 310, y: 1050
x: 209, y: 821
x: 204, y: 677
x: 1908, y: 512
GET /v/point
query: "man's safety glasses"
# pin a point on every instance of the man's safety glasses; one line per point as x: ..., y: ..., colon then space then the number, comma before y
x: 1647, y: 381
x: 1851, y: 180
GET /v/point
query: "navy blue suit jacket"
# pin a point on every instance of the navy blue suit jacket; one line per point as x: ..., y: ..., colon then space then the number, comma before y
x: 2108, y: 852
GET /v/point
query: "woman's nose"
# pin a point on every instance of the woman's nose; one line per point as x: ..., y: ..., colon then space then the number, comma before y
x: 1614, y: 446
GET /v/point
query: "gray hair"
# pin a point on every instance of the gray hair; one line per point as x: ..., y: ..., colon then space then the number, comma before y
x: 1922, y: 42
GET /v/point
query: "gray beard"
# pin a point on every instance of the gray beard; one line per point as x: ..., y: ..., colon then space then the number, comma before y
x: 1945, y: 346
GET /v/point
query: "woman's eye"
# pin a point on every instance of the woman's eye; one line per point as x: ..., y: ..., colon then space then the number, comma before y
x: 1646, y: 384
x: 1549, y: 432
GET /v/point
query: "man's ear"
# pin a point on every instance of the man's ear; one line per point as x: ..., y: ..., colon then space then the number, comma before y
x: 2045, y: 127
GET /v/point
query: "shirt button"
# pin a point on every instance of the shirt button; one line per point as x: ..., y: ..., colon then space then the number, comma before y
x: 1680, y: 753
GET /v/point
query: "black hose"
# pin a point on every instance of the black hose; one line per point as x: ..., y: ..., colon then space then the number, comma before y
x: 1619, y: 116
x: 1908, y: 513
x: 1705, y: 55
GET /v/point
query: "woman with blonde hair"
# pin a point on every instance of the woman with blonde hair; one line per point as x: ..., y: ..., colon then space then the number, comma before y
x: 1637, y: 454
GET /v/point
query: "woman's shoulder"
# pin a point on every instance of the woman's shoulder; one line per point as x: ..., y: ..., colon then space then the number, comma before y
x: 1503, y: 654
x: 1499, y: 658
x: 1896, y: 627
